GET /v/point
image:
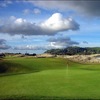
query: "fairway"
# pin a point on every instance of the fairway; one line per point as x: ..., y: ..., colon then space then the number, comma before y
x: 48, y: 79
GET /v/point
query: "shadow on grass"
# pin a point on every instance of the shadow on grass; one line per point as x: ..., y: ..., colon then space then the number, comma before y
x: 35, y: 98
x: 44, y: 98
x: 10, y: 74
x: 9, y: 68
x: 90, y: 69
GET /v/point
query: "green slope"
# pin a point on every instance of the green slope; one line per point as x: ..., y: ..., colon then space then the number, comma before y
x: 26, y: 65
x: 56, y: 79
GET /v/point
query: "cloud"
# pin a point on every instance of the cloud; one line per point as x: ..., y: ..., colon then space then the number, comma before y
x: 56, y: 23
x: 26, y: 11
x: 23, y: 37
x: 83, y: 7
x: 85, y: 42
x: 2, y: 41
x: 61, y: 42
x: 53, y: 43
x: 3, y: 45
x: 30, y: 47
x: 18, y: 26
x: 4, y: 3
x: 36, y: 11
x: 89, y: 7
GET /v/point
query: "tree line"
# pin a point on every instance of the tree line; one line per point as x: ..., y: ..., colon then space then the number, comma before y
x: 75, y: 50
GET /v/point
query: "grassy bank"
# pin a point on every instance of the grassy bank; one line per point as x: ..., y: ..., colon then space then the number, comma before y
x: 49, y: 79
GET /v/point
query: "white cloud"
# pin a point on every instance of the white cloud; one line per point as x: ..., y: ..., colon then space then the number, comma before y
x: 36, y: 11
x: 26, y: 11
x: 4, y: 3
x: 30, y: 47
x: 38, y: 47
x: 52, y: 43
x: 56, y: 23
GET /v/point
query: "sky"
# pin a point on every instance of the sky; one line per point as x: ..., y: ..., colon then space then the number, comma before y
x: 35, y: 26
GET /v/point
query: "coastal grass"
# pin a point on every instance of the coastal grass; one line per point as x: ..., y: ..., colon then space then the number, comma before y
x: 48, y: 79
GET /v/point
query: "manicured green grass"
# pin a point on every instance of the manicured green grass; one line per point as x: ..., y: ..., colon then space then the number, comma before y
x: 49, y: 79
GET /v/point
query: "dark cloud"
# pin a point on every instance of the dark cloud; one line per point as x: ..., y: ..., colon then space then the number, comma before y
x: 89, y: 7
x: 56, y: 23
x: 62, y: 42
x: 2, y: 41
x: 3, y: 44
x: 84, y: 7
x: 4, y: 47
x: 14, y: 26
x: 23, y: 37
x: 85, y: 42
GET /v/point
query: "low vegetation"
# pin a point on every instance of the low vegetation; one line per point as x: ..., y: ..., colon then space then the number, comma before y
x: 48, y: 79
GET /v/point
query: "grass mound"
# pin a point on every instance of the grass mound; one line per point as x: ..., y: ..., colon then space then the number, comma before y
x: 26, y: 65
x: 10, y: 67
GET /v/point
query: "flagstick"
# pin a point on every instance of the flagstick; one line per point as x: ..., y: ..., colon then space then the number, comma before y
x: 67, y: 72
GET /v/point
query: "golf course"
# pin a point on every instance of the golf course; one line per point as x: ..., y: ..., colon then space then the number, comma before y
x: 48, y: 79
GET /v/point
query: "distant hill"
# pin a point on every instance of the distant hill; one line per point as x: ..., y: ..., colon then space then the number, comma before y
x: 75, y: 50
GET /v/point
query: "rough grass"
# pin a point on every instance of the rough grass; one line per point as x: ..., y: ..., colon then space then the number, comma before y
x: 55, y: 79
